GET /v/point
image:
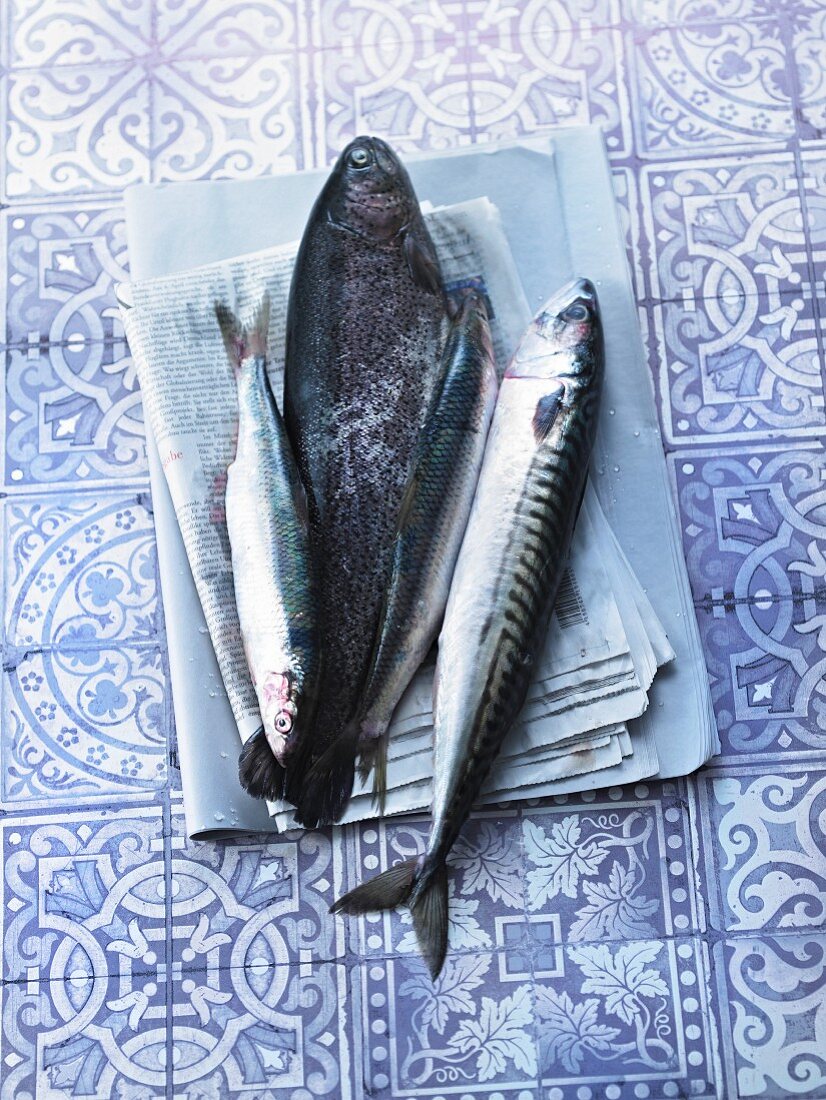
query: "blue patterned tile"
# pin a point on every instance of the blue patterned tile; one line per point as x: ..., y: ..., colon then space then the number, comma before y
x: 62, y: 264
x: 73, y: 413
x: 552, y: 17
x: 45, y: 33
x: 84, y: 896
x: 263, y: 1031
x: 655, y: 13
x: 764, y: 854
x: 210, y: 28
x: 732, y: 227
x: 614, y: 866
x: 626, y: 191
x: 486, y: 885
x: 74, y: 128
x: 710, y: 85
x: 738, y: 367
x: 809, y: 53
x: 528, y: 84
x: 814, y: 184
x: 367, y: 25
x: 228, y: 117
x: 628, y: 1020
x: 472, y: 1029
x: 752, y: 526
x: 80, y: 571
x: 415, y: 97
x: 80, y: 723
x: 248, y: 903
x: 95, y: 1037
x: 774, y: 992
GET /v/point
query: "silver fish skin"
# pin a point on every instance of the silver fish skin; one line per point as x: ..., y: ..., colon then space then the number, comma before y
x: 504, y: 586
x: 268, y: 526
x: 434, y: 512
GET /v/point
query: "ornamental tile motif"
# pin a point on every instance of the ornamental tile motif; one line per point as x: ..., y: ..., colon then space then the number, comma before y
x: 62, y: 264
x: 753, y: 534
x: 73, y: 414
x: 764, y: 860
x: 706, y: 85
x: 774, y: 992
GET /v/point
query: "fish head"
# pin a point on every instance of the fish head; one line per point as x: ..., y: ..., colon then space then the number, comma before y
x: 568, y: 323
x: 280, y: 700
x: 369, y: 192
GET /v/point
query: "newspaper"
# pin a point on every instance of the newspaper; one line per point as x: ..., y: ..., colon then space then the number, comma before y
x: 559, y: 221
x: 586, y: 676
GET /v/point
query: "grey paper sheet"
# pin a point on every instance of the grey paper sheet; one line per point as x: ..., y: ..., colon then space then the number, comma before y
x: 560, y: 217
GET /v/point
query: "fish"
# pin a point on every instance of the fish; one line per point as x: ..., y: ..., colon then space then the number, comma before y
x: 273, y: 574
x: 366, y: 323
x: 431, y: 524
x: 510, y: 564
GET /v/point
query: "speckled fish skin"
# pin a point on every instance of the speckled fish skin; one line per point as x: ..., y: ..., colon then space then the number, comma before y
x: 431, y: 525
x: 268, y: 525
x: 504, y: 587
x: 365, y: 328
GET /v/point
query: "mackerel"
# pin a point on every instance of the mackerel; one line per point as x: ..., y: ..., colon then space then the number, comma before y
x: 504, y: 587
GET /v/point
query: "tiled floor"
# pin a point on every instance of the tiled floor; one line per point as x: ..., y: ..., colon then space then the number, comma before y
x: 658, y: 941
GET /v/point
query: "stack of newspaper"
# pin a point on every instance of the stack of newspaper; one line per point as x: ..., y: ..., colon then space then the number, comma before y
x: 606, y: 641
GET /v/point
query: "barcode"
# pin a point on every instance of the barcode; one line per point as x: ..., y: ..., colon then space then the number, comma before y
x: 569, y: 606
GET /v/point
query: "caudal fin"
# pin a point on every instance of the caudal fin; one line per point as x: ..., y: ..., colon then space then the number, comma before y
x: 327, y: 786
x: 408, y: 883
x: 243, y: 340
x: 260, y: 773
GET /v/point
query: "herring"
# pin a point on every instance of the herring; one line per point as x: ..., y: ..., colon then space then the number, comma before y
x: 431, y: 525
x: 365, y: 327
x: 504, y: 587
x: 268, y: 526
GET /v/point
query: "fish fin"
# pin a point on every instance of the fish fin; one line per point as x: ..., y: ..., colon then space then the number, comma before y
x: 428, y: 906
x: 261, y: 775
x: 373, y: 758
x: 243, y: 340
x: 388, y: 890
x: 547, y: 409
x: 327, y: 786
x: 421, y: 258
x: 296, y: 765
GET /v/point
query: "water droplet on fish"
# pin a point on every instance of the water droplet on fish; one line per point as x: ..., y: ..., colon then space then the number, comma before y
x: 616, y: 469
x: 212, y: 695
x: 601, y: 471
x: 219, y: 817
x: 636, y: 435
x: 612, y: 412
x: 202, y: 630
x: 223, y: 756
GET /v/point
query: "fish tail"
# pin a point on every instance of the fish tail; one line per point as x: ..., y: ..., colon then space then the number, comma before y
x: 327, y: 786
x: 410, y: 883
x: 373, y: 758
x: 261, y: 775
x: 242, y: 340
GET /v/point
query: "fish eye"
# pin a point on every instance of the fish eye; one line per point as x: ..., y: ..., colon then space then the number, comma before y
x: 575, y: 312
x: 284, y: 722
x: 358, y: 158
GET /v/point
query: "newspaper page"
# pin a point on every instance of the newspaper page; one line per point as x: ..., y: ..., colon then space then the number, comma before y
x: 190, y: 400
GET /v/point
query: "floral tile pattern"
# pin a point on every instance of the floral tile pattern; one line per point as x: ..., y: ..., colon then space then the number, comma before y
x: 709, y: 84
x: 656, y: 941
